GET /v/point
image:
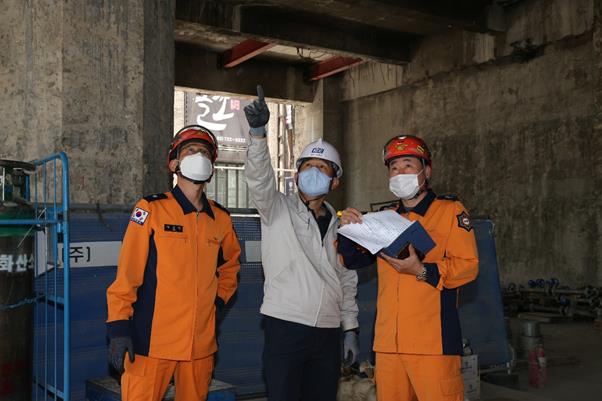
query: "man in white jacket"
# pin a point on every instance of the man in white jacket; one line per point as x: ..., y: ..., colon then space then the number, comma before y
x: 308, y: 295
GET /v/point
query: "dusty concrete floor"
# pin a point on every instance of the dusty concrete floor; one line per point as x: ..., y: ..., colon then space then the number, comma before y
x: 574, y: 352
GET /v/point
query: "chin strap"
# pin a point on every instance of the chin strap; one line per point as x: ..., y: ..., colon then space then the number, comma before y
x: 196, y: 182
x: 418, y: 194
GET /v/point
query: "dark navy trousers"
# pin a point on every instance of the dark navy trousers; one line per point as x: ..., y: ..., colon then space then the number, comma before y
x: 301, y: 363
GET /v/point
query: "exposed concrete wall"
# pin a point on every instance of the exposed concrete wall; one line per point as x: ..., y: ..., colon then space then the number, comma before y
x: 83, y: 77
x: 517, y: 140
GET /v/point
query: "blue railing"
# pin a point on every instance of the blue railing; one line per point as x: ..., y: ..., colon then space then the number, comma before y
x: 51, y: 216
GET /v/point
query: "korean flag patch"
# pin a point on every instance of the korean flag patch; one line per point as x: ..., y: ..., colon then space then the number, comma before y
x: 464, y: 221
x: 139, y: 216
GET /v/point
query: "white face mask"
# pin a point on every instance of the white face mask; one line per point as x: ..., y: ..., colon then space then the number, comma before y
x: 196, y: 167
x: 404, y: 186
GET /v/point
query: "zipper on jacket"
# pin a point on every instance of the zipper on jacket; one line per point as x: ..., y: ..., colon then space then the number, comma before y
x: 397, y: 320
x: 196, y: 280
x: 319, y: 304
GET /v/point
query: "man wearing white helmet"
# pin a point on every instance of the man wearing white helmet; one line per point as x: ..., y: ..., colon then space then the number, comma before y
x: 308, y: 295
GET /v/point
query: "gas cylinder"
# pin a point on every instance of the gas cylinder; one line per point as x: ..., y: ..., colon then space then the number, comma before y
x: 16, y: 284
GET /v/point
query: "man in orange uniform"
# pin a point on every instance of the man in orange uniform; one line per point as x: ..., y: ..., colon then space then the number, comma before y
x: 417, y: 340
x: 179, y: 260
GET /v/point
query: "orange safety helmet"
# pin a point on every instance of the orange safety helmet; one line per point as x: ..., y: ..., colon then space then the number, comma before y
x: 406, y: 145
x: 192, y: 133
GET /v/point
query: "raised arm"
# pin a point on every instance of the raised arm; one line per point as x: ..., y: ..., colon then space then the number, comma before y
x: 260, y: 176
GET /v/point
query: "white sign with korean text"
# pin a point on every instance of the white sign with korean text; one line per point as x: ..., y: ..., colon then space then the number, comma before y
x: 92, y: 254
x: 81, y: 254
x: 225, y: 117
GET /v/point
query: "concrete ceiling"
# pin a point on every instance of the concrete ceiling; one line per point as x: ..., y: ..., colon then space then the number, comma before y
x: 311, y: 34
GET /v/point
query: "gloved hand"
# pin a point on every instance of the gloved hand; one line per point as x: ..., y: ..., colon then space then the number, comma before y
x: 117, y: 349
x: 258, y: 114
x: 351, y: 348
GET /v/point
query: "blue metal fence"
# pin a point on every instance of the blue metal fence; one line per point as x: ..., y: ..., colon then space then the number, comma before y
x: 48, y: 192
x: 481, y: 307
x: 240, y: 334
x: 90, y: 231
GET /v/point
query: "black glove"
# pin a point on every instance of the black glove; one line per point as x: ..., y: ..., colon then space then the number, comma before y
x: 118, y: 346
x: 258, y: 114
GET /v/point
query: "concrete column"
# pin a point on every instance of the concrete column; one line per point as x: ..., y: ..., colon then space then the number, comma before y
x: 93, y: 79
x: 31, y: 64
x: 595, y: 272
x: 158, y: 92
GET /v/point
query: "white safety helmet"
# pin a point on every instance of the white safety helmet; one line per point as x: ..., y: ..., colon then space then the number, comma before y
x: 322, y: 150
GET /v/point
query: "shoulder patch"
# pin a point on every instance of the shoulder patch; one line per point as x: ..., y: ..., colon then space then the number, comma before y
x: 450, y: 197
x: 214, y: 203
x: 464, y: 221
x: 139, y: 216
x: 154, y: 197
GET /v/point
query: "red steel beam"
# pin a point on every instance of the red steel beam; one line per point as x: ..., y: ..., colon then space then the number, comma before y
x: 332, y: 66
x: 244, y: 51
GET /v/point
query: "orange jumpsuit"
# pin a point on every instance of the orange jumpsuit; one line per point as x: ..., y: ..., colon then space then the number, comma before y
x: 417, y: 338
x: 175, y: 264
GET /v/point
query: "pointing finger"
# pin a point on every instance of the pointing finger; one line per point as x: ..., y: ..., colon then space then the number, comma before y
x: 260, y: 93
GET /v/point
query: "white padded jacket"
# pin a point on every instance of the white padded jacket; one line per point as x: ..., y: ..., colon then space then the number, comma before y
x: 304, y: 280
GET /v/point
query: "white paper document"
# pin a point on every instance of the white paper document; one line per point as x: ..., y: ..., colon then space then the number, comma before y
x: 377, y: 231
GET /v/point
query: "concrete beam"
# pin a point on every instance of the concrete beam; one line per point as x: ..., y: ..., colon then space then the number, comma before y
x: 196, y: 68
x: 291, y: 28
x: 411, y: 16
x: 206, y: 12
x: 324, y: 33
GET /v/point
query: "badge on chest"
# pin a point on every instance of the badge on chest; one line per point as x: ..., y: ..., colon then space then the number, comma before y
x: 174, y: 228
